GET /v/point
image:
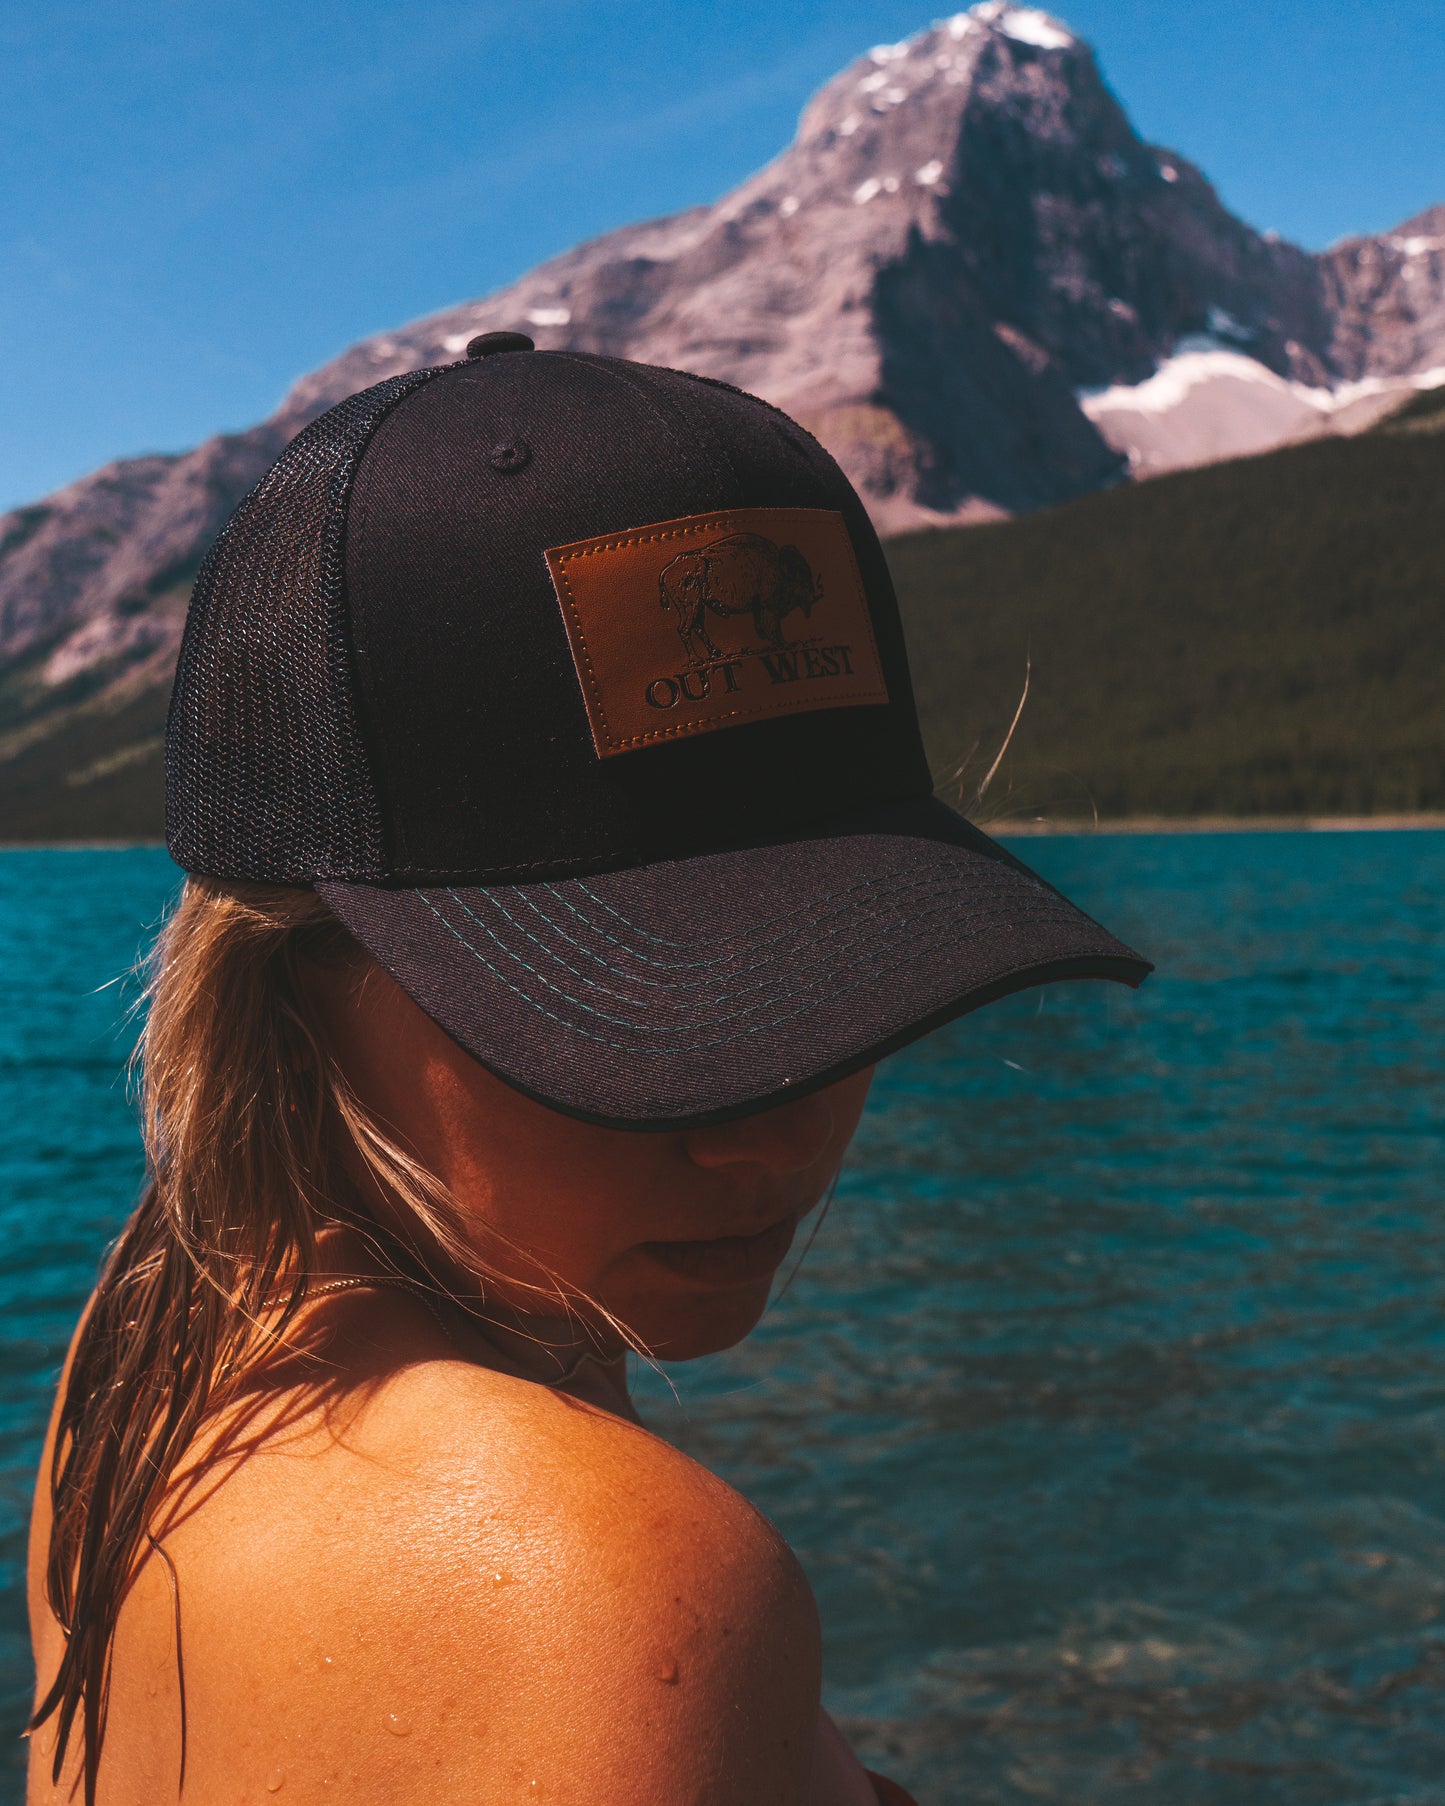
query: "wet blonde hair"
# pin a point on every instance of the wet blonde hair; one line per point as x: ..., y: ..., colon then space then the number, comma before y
x: 252, y: 1138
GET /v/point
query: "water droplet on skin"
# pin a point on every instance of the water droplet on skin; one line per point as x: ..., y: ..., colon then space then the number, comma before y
x: 397, y: 1725
x: 499, y: 1579
x: 276, y: 1780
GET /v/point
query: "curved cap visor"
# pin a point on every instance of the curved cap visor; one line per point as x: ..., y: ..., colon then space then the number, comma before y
x: 693, y: 990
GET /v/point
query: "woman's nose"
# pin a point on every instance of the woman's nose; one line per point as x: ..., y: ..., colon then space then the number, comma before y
x: 786, y: 1139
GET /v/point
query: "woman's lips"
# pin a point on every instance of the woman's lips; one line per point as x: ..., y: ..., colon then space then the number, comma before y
x: 728, y: 1259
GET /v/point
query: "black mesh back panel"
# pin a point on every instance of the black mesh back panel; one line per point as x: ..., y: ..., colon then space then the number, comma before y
x: 266, y: 774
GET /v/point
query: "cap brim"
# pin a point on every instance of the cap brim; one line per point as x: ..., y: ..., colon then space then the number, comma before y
x: 689, y: 991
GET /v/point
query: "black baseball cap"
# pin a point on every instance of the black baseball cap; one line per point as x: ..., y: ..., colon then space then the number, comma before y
x: 577, y: 689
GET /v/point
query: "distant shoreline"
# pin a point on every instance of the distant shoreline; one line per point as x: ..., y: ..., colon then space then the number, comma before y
x: 999, y: 830
x: 1220, y: 824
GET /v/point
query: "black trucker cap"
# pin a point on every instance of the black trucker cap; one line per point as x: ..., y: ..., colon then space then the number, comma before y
x: 577, y: 689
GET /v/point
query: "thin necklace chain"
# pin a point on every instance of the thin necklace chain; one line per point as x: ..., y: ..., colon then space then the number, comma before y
x: 400, y: 1282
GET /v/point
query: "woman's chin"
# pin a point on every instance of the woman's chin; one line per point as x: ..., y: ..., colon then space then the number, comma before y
x: 682, y: 1327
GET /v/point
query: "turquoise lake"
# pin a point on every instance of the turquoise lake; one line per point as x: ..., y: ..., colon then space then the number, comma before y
x: 1107, y: 1410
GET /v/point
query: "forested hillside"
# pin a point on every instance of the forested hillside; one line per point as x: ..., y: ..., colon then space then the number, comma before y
x: 1265, y: 637
x: 1260, y: 637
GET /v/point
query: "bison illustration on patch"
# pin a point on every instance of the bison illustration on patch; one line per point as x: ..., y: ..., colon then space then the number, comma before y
x: 741, y: 574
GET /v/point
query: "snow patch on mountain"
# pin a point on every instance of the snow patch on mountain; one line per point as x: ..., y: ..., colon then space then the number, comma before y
x: 1026, y: 25
x: 1176, y: 378
x: 1208, y: 402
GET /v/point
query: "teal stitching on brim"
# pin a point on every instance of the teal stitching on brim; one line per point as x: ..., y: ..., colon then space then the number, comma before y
x: 769, y: 951
x: 913, y: 954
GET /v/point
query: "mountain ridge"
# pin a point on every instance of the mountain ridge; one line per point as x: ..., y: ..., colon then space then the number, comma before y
x: 1241, y: 640
x: 963, y: 275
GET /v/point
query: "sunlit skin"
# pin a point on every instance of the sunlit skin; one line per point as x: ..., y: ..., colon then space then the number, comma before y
x: 443, y: 1581
x: 677, y: 1235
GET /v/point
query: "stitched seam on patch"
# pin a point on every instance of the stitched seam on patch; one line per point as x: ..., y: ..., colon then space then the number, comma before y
x: 867, y: 611
x: 782, y: 706
x: 617, y: 543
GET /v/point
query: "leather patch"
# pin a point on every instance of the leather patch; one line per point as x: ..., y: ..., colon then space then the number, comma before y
x: 691, y: 625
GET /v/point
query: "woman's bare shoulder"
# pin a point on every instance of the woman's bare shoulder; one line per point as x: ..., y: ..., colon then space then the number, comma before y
x: 547, y: 1491
x: 595, y: 1527
x: 441, y: 1431
x: 513, y: 1582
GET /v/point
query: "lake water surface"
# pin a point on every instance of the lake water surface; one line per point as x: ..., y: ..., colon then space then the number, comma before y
x: 1107, y: 1411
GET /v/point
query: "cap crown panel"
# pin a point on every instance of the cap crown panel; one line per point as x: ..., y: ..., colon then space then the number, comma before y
x: 470, y: 698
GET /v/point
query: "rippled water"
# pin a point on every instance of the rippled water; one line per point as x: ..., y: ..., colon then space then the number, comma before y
x: 1107, y: 1411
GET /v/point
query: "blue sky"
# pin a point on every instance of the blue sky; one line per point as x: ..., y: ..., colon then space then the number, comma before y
x: 199, y: 201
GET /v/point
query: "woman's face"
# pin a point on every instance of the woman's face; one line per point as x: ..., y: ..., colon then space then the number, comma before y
x: 677, y: 1234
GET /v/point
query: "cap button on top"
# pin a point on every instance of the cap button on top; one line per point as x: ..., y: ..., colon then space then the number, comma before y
x: 486, y: 343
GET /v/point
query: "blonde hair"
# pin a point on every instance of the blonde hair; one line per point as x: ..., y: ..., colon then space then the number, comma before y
x: 252, y: 1135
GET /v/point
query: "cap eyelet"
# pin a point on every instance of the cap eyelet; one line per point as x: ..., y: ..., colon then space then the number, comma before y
x: 510, y: 455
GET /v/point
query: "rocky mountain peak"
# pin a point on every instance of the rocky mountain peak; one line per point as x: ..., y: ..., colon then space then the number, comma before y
x: 968, y: 275
x: 1385, y: 297
x: 965, y: 230
x: 902, y: 98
